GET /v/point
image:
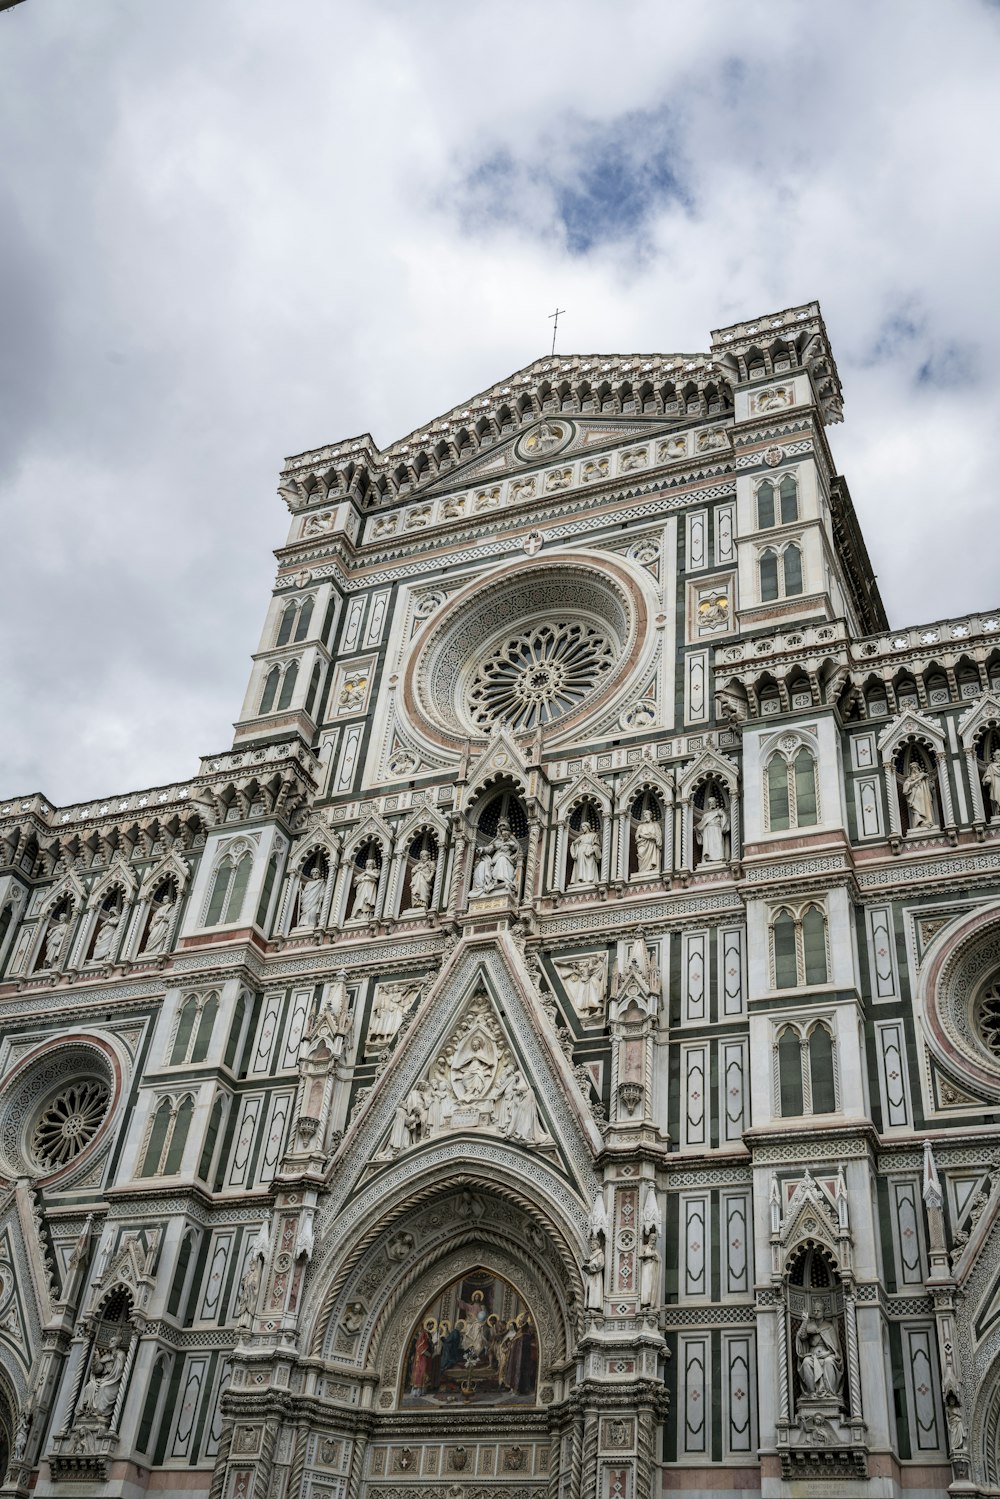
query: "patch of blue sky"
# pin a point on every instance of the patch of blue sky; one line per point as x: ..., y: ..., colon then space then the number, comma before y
x: 950, y: 366
x: 601, y: 183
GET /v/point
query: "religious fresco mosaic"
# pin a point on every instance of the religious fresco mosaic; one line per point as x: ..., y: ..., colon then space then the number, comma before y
x: 475, y: 1344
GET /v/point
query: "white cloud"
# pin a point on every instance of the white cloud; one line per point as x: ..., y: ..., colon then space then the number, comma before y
x: 232, y: 231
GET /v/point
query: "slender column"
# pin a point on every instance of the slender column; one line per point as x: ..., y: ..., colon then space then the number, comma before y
x: 853, y: 1361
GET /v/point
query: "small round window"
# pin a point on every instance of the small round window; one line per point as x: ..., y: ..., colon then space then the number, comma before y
x: 68, y: 1122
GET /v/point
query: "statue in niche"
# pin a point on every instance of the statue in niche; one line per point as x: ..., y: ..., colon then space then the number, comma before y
x: 991, y: 783
x: 817, y: 1349
x: 517, y: 1113
x: 365, y: 889
x: 584, y: 981
x: 711, y: 828
x: 593, y: 1275
x: 55, y: 937
x: 585, y: 856
x: 20, y: 1446
x: 311, y: 892
x: 505, y: 853
x: 649, y: 1271
x: 422, y: 880
x: 336, y: 1002
x: 159, y: 926
x: 917, y: 791
x: 100, y: 1392
x: 648, y: 842
x: 106, y: 932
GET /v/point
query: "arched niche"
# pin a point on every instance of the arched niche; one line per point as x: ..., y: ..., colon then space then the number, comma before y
x: 499, y: 845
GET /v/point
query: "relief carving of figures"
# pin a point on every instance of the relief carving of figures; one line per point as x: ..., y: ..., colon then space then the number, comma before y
x: 711, y: 828
x: 422, y: 880
x: 817, y: 1349
x: 55, y: 937
x: 473, y: 1083
x: 585, y: 854
x: 392, y: 1001
x: 352, y: 693
x: 648, y: 842
x: 365, y: 889
x: 100, y: 1391
x: 917, y: 790
x: 991, y: 783
x: 159, y: 927
x: 584, y: 981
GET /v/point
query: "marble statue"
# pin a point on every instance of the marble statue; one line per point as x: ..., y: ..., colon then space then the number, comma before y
x: 159, y: 926
x: 482, y: 872
x: 649, y: 1271
x: 391, y: 1003
x: 365, y: 889
x: 584, y: 982
x: 311, y: 892
x: 20, y: 1445
x: 648, y: 842
x: 585, y: 854
x: 593, y: 1274
x: 422, y: 880
x: 917, y: 790
x: 505, y: 852
x: 521, y: 1120
x: 820, y: 1361
x: 54, y: 939
x: 711, y: 828
x: 246, y: 1299
x: 100, y: 1392
x: 411, y: 1119
x: 991, y: 783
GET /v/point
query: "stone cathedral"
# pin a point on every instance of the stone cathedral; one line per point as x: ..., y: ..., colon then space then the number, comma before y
x: 554, y: 1053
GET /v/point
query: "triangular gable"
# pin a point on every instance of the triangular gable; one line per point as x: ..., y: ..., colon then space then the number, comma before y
x: 170, y: 864
x: 708, y: 763
x: 646, y: 774
x: 585, y: 785
x: 495, y: 969
x: 500, y: 758
x: 982, y: 715
x: 810, y: 1214
x: 910, y: 723
x: 117, y: 874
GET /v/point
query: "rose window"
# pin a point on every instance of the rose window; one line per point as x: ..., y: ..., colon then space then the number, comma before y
x: 68, y: 1122
x: 988, y: 1019
x: 539, y: 674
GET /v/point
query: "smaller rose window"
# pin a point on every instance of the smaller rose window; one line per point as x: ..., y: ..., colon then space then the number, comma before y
x: 988, y: 1018
x: 540, y: 674
x: 69, y: 1121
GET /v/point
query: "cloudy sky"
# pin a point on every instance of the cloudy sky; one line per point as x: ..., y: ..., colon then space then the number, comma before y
x: 234, y: 229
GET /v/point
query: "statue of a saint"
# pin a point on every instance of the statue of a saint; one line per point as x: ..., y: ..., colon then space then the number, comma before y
x: 422, y: 880
x: 365, y: 889
x: 246, y: 1300
x: 100, y: 1392
x: 710, y: 830
x: 19, y: 1448
x: 106, y: 932
x: 505, y: 853
x: 648, y: 842
x: 521, y: 1120
x: 54, y: 939
x: 311, y: 891
x: 410, y: 1120
x: 337, y: 1001
x: 649, y: 1271
x: 585, y: 854
x: 817, y: 1348
x: 159, y: 926
x: 917, y: 790
x: 584, y: 980
x: 593, y: 1274
x: 392, y: 1001
x: 991, y: 784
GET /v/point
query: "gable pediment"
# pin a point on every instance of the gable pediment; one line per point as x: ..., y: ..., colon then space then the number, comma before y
x: 479, y: 1057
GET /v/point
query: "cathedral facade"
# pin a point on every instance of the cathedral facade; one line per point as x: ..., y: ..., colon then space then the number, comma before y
x: 554, y: 1053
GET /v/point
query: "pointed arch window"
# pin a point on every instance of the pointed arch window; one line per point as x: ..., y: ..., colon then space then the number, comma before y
x: 791, y: 561
x: 799, y: 948
x: 288, y: 687
x: 788, y: 496
x: 765, y: 505
x: 211, y: 1140
x: 791, y: 791
x: 286, y: 624
x: 305, y: 620
x: 168, y: 1136
x: 228, y: 890
x: 270, y: 692
x: 313, y: 688
x: 768, y: 576
x: 805, y: 1070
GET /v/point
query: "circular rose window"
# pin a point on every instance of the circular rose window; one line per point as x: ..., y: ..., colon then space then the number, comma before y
x: 988, y: 1018
x: 545, y: 642
x: 55, y: 1107
x: 68, y: 1122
